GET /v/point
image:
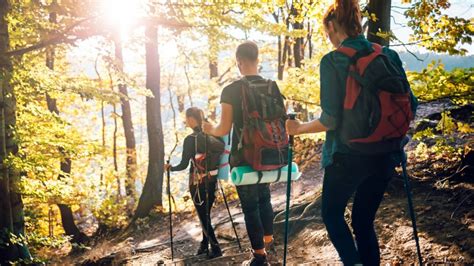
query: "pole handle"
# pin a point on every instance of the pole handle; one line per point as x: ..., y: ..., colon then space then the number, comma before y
x: 291, y: 116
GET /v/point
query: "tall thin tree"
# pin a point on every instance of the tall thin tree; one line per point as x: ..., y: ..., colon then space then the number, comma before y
x: 131, y: 165
x: 67, y: 217
x: 153, y: 188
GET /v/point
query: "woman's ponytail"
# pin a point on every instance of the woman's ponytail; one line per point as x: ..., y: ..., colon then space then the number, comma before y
x: 347, y: 15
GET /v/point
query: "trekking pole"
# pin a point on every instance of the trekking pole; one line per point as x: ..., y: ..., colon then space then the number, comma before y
x: 288, y: 191
x: 206, y: 185
x: 410, y: 202
x: 170, y: 211
x: 230, y: 216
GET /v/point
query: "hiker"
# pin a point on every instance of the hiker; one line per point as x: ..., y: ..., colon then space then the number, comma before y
x: 352, y: 166
x: 255, y: 199
x: 193, y: 150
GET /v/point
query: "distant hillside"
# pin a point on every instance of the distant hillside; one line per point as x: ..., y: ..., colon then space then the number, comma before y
x: 449, y: 61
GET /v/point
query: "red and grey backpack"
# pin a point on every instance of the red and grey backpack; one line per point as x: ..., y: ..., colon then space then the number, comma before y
x: 377, y: 109
x: 263, y: 141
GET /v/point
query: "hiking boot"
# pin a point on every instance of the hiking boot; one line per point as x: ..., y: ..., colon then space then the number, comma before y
x: 203, y: 249
x: 256, y: 260
x: 215, y: 252
x: 272, y: 256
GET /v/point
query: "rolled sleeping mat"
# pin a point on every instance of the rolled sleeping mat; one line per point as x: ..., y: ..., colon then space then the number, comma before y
x: 224, y: 166
x: 245, y: 175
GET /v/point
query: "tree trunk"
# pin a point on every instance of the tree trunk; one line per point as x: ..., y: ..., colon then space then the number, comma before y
x: 279, y: 67
x: 284, y: 58
x: 297, y: 48
x: 114, y: 141
x: 189, y: 85
x: 310, y: 41
x: 131, y: 165
x: 11, y: 205
x: 381, y: 8
x: 180, y: 99
x: 281, y: 64
x: 290, y: 55
x: 153, y: 188
x: 213, y: 73
x: 67, y: 217
x: 298, y: 42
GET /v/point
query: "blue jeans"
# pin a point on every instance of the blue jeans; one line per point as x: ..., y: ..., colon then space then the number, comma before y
x: 367, y: 177
x: 258, y: 212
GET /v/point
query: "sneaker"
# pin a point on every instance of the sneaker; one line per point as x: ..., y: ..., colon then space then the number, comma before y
x: 215, y: 252
x: 203, y: 249
x: 272, y: 256
x: 256, y: 260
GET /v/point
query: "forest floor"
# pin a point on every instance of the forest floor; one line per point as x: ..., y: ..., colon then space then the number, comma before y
x: 443, y: 196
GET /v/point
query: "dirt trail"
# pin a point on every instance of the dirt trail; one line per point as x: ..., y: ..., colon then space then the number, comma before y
x: 444, y: 211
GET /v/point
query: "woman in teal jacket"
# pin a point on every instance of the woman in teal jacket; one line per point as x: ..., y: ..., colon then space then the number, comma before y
x: 348, y: 172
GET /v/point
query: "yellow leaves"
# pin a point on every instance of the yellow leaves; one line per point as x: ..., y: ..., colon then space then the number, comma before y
x: 464, y: 128
x: 444, y: 33
x: 435, y: 82
x: 373, y: 17
x: 280, y: 3
x: 446, y: 124
x: 370, y: 16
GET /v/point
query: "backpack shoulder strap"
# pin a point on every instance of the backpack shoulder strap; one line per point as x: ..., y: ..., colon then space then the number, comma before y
x: 364, y: 61
x: 269, y: 86
x: 348, y: 51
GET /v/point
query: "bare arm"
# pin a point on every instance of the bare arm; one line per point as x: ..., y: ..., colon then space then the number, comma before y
x: 225, y: 124
x: 295, y: 127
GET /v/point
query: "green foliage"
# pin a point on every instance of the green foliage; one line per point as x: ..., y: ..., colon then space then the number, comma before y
x: 435, y: 82
x: 302, y: 84
x: 112, y: 211
x: 442, y: 140
x: 446, y: 125
x: 437, y: 31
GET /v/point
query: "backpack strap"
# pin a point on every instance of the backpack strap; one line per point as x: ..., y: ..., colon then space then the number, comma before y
x: 348, y: 51
x: 269, y: 86
x: 360, y: 59
x: 364, y: 61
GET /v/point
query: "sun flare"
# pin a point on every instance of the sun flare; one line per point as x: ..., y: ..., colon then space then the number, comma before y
x: 122, y: 14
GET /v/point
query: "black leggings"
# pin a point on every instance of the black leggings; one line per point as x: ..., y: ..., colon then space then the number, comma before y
x: 198, y: 194
x: 367, y: 177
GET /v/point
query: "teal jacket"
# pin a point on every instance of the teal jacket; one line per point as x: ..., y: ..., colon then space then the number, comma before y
x: 333, y: 74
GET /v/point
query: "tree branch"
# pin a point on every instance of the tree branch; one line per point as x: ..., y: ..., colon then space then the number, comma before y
x: 302, y: 101
x: 59, y: 38
x: 69, y: 36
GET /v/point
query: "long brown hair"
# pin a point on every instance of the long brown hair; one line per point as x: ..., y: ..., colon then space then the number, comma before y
x: 196, y: 113
x: 346, y: 14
